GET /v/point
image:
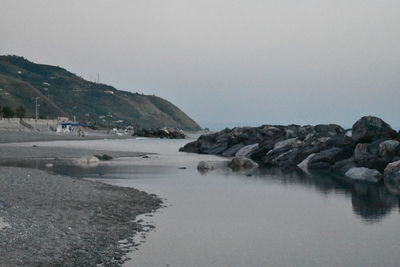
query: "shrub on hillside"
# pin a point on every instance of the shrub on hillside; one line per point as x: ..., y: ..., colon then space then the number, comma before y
x: 7, y: 112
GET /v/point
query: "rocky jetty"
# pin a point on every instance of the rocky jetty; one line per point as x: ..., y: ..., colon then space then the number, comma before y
x: 169, y: 133
x: 371, y: 144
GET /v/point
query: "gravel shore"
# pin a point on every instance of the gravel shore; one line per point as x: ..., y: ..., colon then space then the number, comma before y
x: 54, y: 220
x: 20, y: 152
x: 25, y: 136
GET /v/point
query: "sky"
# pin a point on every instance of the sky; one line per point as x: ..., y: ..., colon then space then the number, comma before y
x: 225, y: 62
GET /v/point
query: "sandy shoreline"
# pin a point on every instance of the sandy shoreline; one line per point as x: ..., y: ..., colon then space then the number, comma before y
x: 50, y: 220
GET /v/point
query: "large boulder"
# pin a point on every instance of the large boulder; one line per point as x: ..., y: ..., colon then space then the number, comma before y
x: 328, y: 157
x: 217, y: 148
x: 370, y: 128
x: 366, y: 155
x: 246, y: 151
x: 242, y: 164
x: 232, y: 150
x: 364, y: 174
x: 328, y: 129
x: 287, y: 160
x: 344, y: 165
x: 304, y: 164
x: 292, y: 142
x: 389, y: 149
x: 392, y: 177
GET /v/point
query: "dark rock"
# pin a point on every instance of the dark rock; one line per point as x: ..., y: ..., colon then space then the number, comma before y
x: 328, y: 157
x: 218, y: 148
x: 373, y: 147
x: 146, y: 157
x: 291, y: 142
x: 340, y: 141
x: 303, y: 165
x: 364, y: 157
x: 242, y: 163
x: 269, y: 159
x: 259, y: 153
x: 103, y: 157
x: 246, y: 151
x: 328, y: 129
x: 106, y: 157
x: 170, y: 133
x: 364, y: 174
x: 210, y: 165
x: 232, y: 150
x: 389, y: 149
x: 371, y: 128
x: 392, y: 177
x: 343, y: 165
x: 288, y: 146
x: 192, y: 147
x: 289, y: 159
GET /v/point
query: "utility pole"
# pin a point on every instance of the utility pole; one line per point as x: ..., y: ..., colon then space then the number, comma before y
x: 37, y: 107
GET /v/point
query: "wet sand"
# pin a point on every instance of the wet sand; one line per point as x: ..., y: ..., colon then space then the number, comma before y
x: 54, y: 220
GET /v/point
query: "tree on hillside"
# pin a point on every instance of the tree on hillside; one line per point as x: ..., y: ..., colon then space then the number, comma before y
x: 7, y: 112
x: 20, y: 112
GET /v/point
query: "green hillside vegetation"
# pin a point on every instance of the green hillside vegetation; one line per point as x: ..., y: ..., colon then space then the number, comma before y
x: 63, y: 93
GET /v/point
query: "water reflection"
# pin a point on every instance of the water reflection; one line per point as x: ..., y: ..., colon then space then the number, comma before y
x: 370, y: 202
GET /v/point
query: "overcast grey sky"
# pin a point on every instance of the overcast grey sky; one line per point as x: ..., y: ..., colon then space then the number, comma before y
x: 225, y: 61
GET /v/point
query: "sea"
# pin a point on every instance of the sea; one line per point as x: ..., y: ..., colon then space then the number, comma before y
x: 248, y: 218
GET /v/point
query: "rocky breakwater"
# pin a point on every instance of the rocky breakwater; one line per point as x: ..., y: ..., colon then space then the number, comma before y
x: 361, y: 153
x: 169, y: 133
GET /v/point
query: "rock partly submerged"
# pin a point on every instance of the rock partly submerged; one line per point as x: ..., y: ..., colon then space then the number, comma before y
x: 371, y: 143
x: 364, y: 174
x: 236, y: 164
x: 240, y: 163
x: 204, y: 166
x: 86, y: 161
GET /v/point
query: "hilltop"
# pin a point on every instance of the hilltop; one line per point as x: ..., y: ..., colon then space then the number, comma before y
x: 63, y: 93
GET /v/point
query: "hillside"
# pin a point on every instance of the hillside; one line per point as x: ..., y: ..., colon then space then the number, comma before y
x: 63, y: 93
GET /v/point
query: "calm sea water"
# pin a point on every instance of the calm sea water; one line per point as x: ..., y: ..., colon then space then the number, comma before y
x: 222, y: 218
